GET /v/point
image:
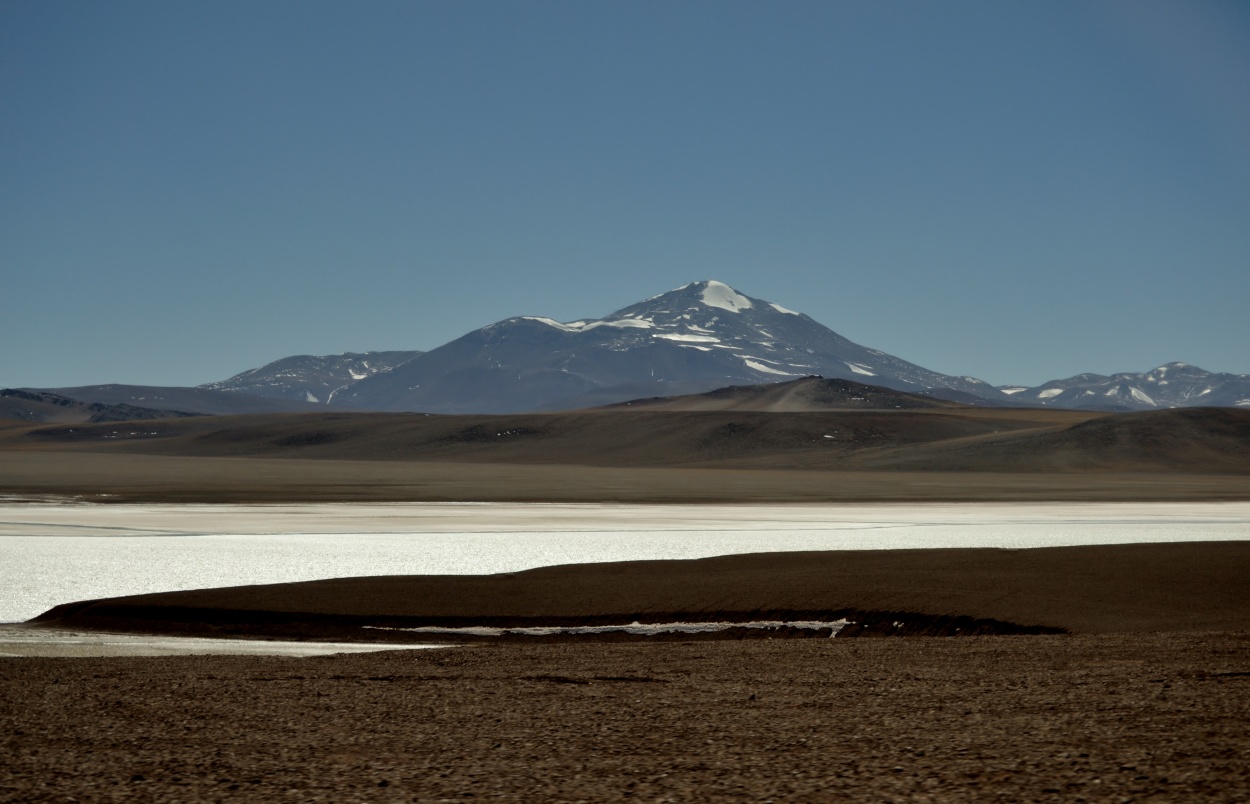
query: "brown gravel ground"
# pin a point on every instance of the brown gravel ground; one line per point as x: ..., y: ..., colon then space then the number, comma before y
x: 1130, y: 717
x: 169, y: 479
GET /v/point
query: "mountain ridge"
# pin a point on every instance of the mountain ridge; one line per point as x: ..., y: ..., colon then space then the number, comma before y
x: 310, y: 378
x: 46, y: 407
x: 693, y: 339
x: 200, y: 401
x: 1171, y: 385
x: 698, y: 337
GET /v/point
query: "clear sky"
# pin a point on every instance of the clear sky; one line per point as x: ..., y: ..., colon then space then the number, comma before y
x: 1017, y: 191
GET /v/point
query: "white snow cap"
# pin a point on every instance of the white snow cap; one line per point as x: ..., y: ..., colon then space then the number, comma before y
x: 676, y: 336
x: 586, y: 326
x: 718, y: 294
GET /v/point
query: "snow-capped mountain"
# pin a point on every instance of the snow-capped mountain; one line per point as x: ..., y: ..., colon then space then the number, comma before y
x: 311, y: 378
x: 1173, y: 385
x: 697, y: 338
x: 701, y: 336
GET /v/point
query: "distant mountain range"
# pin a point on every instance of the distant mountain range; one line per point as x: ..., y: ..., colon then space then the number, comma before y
x: 694, y: 339
x: 311, y: 378
x: 199, y: 401
x: 43, y: 406
x: 1173, y: 385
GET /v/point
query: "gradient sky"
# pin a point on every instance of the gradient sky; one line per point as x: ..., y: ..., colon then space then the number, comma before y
x: 1013, y: 191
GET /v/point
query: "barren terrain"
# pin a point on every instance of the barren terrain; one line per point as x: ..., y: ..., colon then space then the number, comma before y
x: 1062, y: 718
x: 642, y: 456
x: 1142, y: 698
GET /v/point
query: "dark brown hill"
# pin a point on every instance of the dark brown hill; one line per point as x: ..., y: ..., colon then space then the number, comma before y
x: 193, y: 400
x: 1200, y: 440
x: 795, y: 396
x: 44, y: 406
x: 741, y: 439
x: 1095, y: 589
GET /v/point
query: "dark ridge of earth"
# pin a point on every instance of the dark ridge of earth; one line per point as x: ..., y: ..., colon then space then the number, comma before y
x: 1191, y: 586
x: 626, y: 438
x: 1186, y: 440
x: 17, y: 405
x: 802, y: 395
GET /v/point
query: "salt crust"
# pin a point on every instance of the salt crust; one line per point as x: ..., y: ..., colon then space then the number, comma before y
x: 636, y: 628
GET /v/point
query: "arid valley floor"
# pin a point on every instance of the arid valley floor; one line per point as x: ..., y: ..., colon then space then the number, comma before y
x: 1139, y: 693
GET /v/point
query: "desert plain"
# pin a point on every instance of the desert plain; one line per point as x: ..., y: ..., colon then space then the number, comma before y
x: 1095, y: 673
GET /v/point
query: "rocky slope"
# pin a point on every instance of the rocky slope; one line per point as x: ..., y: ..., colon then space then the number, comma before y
x: 311, y: 378
x: 1173, y: 385
x: 696, y: 338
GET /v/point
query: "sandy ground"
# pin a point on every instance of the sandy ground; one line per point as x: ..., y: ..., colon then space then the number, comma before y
x: 1066, y: 718
x: 161, y: 478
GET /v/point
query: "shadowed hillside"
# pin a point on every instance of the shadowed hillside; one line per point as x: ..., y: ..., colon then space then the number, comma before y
x: 193, y: 400
x: 1183, y: 439
x: 960, y: 439
x: 796, y: 396
x: 43, y: 406
x: 601, y: 438
x: 783, y: 442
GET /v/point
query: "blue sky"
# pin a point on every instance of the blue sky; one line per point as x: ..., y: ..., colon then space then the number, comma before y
x: 1014, y: 191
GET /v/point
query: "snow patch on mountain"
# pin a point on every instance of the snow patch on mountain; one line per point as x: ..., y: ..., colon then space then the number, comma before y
x: 583, y: 326
x: 576, y: 326
x: 718, y: 294
x: 672, y: 336
x: 755, y: 364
